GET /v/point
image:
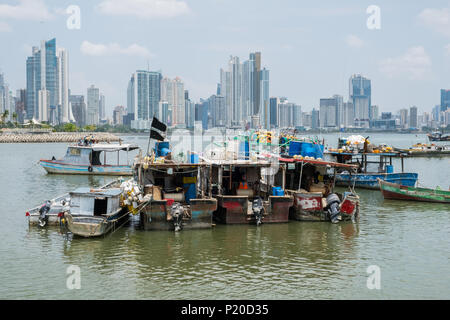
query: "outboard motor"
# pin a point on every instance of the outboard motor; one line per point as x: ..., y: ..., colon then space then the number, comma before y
x: 333, y: 203
x: 258, y: 210
x: 177, y: 212
x: 43, y: 218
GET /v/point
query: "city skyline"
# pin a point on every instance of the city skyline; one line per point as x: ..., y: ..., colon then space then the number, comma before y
x: 295, y: 46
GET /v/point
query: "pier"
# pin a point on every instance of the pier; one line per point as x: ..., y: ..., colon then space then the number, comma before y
x: 42, y: 136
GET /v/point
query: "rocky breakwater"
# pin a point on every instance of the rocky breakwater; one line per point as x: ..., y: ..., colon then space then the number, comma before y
x: 46, y: 136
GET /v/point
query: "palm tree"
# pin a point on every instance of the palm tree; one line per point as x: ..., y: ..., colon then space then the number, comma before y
x: 14, y: 116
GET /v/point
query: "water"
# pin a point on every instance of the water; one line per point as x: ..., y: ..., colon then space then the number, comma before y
x: 407, y: 240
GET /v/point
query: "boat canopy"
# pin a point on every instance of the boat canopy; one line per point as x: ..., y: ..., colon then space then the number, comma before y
x: 320, y: 163
x: 108, y: 147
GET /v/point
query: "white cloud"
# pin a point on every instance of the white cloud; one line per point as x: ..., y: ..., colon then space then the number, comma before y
x: 437, y: 19
x: 4, y: 27
x: 145, y: 9
x: 414, y: 64
x: 353, y: 41
x: 35, y: 10
x: 99, y: 49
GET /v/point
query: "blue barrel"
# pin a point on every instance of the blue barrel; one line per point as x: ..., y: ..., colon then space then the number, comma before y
x: 194, y: 158
x: 318, y: 150
x: 244, y: 150
x: 389, y: 169
x: 191, y: 192
x: 295, y: 148
x: 162, y: 148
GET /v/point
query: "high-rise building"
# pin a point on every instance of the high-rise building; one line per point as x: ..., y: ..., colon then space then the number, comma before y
x: 216, y: 106
x: 93, y: 106
x: 445, y: 99
x: 403, y: 118
x: 264, y: 99
x: 330, y: 111
x: 143, y: 95
x: 118, y: 114
x: 6, y: 99
x: 47, y: 70
x: 20, y: 105
x: 78, y: 109
x: 315, y: 118
x: 255, y: 57
x: 172, y: 91
x: 102, y: 108
x: 413, y: 117
x: 360, y: 95
x: 374, y: 113
x: 273, y: 112
x: 289, y: 114
x: 349, y: 117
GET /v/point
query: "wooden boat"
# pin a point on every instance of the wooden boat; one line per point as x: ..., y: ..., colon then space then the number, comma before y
x: 399, y: 192
x: 425, y: 150
x: 438, y: 136
x: 244, y: 194
x: 95, y: 212
x: 84, y: 158
x: 312, y: 186
x: 178, y: 200
x: 50, y: 213
x: 371, y: 167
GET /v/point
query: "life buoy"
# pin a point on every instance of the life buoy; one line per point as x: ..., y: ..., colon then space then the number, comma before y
x: 90, y: 169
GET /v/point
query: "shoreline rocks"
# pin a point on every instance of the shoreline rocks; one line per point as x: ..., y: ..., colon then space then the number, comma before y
x: 47, y: 137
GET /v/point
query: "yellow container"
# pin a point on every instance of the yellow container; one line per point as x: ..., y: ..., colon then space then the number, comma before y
x: 189, y: 179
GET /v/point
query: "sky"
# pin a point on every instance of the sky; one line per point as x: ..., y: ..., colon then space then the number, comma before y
x: 310, y: 47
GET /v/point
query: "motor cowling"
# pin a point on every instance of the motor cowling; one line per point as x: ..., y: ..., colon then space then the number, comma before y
x: 43, y: 217
x: 177, y: 213
x: 258, y: 210
x: 332, y: 208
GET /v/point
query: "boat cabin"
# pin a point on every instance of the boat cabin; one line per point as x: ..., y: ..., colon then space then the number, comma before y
x: 96, y: 154
x: 94, y: 202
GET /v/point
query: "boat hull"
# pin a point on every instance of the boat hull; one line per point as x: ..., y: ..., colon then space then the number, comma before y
x: 236, y: 210
x: 398, y: 192
x: 309, y: 207
x: 156, y: 215
x: 370, y: 180
x: 92, y: 226
x: 55, y: 167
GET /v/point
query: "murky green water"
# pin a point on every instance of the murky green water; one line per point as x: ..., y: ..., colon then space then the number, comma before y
x: 408, y: 241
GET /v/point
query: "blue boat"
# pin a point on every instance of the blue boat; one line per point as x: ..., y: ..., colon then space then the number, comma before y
x: 86, y: 159
x: 368, y: 175
x: 369, y: 180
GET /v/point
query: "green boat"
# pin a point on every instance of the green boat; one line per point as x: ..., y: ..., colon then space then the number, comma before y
x: 398, y: 192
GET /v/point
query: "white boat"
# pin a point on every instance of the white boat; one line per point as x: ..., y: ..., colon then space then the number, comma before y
x: 87, y: 159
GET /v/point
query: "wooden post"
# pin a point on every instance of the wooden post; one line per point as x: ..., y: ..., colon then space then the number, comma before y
x: 401, y: 157
x: 219, y: 186
x: 210, y: 181
x: 300, y: 177
x: 283, y: 182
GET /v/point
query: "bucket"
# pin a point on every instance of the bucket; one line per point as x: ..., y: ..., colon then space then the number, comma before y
x: 194, y: 158
x: 389, y: 169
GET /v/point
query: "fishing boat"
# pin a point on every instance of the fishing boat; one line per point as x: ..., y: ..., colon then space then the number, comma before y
x: 50, y: 212
x: 244, y: 193
x: 373, y: 162
x: 178, y: 192
x: 438, y: 136
x: 426, y: 150
x: 311, y: 184
x: 85, y: 158
x: 398, y: 192
x: 95, y: 212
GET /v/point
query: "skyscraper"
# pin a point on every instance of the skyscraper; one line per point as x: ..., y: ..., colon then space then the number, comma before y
x: 360, y: 95
x: 330, y: 111
x: 256, y: 61
x: 144, y: 94
x: 445, y: 99
x: 78, y: 109
x: 93, y: 105
x: 102, y: 108
x: 172, y: 91
x: 264, y: 99
x: 413, y: 117
x: 47, y: 70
